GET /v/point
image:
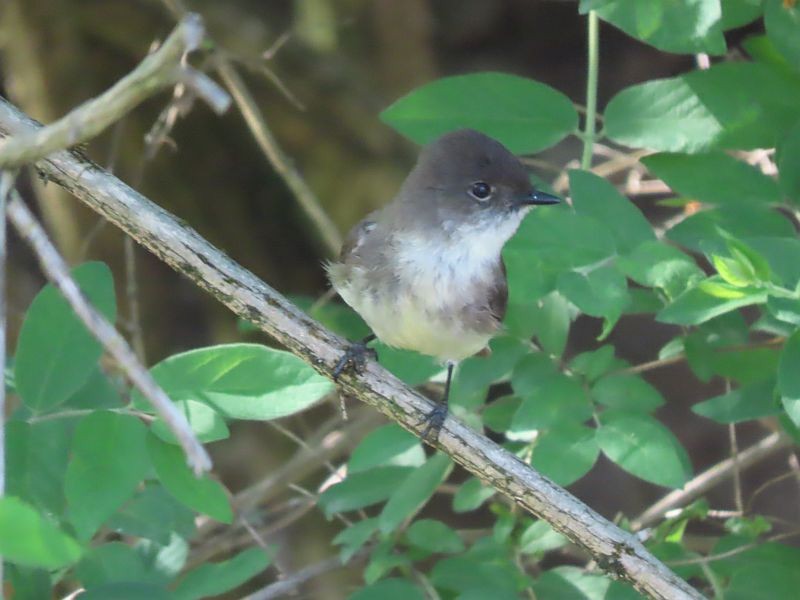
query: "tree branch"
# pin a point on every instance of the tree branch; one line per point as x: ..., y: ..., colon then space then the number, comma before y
x: 619, y: 553
x: 159, y: 70
x: 58, y: 273
x: 711, y: 477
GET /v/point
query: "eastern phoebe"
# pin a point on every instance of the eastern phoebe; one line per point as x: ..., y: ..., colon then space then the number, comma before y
x: 425, y: 271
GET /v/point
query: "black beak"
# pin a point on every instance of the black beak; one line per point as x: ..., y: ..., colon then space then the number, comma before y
x: 537, y: 198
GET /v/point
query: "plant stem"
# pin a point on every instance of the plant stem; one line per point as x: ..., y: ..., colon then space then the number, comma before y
x: 591, y: 91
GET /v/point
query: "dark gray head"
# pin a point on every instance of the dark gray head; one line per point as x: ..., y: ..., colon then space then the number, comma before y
x: 469, y: 174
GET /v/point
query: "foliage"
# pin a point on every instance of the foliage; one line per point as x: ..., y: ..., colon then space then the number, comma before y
x: 100, y: 496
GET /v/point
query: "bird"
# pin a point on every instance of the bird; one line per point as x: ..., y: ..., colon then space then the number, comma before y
x: 425, y: 272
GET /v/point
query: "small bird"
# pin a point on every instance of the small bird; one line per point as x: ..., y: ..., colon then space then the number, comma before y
x: 425, y: 272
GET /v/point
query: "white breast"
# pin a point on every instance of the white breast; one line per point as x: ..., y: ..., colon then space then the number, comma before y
x: 437, y: 277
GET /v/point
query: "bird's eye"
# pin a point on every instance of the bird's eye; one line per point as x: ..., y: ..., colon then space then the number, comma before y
x: 480, y: 190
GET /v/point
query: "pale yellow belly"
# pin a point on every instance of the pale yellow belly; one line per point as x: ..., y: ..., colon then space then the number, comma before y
x: 404, y: 323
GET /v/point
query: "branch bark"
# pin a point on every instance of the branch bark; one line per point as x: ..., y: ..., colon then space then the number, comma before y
x: 619, y: 553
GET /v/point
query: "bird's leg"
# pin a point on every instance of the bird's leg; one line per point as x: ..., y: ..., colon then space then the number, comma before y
x: 355, y: 357
x: 435, y: 419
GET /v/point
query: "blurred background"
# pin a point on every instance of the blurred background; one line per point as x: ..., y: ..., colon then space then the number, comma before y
x: 320, y: 71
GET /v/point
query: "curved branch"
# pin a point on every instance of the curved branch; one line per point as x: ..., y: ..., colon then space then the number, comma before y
x: 619, y: 553
x: 159, y: 70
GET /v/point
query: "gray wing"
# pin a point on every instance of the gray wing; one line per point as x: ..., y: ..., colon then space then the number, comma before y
x: 357, y: 237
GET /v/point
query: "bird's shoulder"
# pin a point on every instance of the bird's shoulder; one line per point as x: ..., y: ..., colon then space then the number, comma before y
x: 358, y: 236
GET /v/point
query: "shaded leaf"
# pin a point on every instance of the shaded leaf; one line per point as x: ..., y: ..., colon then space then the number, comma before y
x: 362, y: 489
x: 387, y: 445
x: 749, y: 402
x: 108, y: 461
x: 202, y: 494
x: 565, y: 453
x: 55, y: 353
x: 212, y: 579
x: 501, y: 110
x: 638, y: 443
x: 414, y: 491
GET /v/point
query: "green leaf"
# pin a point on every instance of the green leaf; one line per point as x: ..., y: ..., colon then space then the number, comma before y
x: 706, y: 109
x: 686, y: 27
x: 643, y: 447
x: 557, y: 399
x: 703, y: 302
x: 539, y: 538
x: 126, y: 590
x: 595, y: 363
x: 627, y: 392
x: 434, y: 536
x: 655, y: 264
x: 565, y: 453
x: 389, y: 589
x: 468, y: 574
x: 202, y: 494
x: 362, y: 489
x: 153, y: 514
x: 55, y: 354
x: 594, y: 196
x: 498, y: 414
x: 785, y: 309
x: 165, y: 560
x: 387, y: 445
x: 763, y: 582
x: 355, y: 536
x: 602, y: 292
x: 207, y: 424
x: 523, y: 114
x: 788, y: 161
x: 36, y: 462
x: 411, y: 367
x: 113, y: 562
x: 414, y: 491
x: 212, y: 579
x: 697, y: 176
x: 242, y: 381
x: 702, y: 232
x: 27, y: 583
x: 783, y: 28
x: 753, y: 401
x: 551, y: 323
x: 471, y: 495
x: 737, y: 13
x: 97, y: 392
x: 783, y: 257
x: 28, y: 539
x: 789, y: 377
x: 108, y: 462
x: 475, y: 374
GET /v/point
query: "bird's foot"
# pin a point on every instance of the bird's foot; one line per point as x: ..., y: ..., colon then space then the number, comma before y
x: 433, y: 422
x: 354, y: 358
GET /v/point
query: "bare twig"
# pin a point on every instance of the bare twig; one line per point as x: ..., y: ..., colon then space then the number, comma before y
x: 58, y: 273
x: 159, y: 70
x: 280, y: 162
x: 7, y: 179
x: 711, y: 477
x: 620, y: 553
x: 283, y: 587
x: 737, y: 471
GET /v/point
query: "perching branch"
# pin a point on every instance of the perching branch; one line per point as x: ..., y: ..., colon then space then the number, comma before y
x: 619, y: 553
x: 57, y: 272
x: 159, y: 70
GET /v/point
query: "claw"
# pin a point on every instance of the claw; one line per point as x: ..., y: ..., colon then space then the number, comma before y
x: 355, y: 358
x: 433, y: 422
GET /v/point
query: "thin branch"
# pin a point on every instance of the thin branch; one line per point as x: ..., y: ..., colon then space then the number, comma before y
x: 159, y: 70
x: 7, y: 179
x: 58, y: 273
x: 591, y: 90
x: 620, y: 553
x: 737, y: 471
x: 284, y: 587
x: 282, y: 164
x: 711, y: 477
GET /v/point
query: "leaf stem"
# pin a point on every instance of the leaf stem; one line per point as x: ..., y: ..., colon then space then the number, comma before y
x: 591, y: 91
